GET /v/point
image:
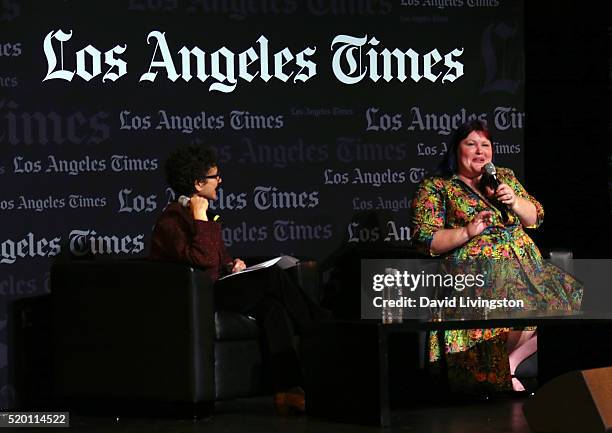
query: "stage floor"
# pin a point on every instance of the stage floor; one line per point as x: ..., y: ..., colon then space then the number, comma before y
x: 256, y: 416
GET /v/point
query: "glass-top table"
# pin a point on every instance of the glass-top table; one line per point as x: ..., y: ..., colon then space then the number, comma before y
x: 356, y: 370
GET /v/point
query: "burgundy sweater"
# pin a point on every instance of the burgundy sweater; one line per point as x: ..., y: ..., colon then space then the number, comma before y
x: 179, y: 237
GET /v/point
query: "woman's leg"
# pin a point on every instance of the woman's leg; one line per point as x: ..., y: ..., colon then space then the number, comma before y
x: 278, y: 337
x: 243, y: 292
x: 521, y: 345
x: 278, y: 305
x: 300, y: 308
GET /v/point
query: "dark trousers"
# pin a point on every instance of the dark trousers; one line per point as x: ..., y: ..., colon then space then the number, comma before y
x: 280, y: 308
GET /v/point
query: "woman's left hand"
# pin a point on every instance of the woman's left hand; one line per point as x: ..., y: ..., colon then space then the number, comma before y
x: 238, y: 266
x: 506, y: 195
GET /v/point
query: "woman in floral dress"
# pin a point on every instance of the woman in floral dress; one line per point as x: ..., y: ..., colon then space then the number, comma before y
x: 460, y: 215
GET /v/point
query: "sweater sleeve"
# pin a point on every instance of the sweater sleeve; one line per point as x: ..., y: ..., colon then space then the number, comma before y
x: 174, y: 238
x: 226, y: 258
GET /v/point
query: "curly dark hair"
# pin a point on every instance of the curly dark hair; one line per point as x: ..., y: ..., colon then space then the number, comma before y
x: 186, y: 165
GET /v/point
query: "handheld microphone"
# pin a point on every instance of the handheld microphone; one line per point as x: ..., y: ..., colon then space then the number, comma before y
x: 183, y: 200
x: 489, y: 168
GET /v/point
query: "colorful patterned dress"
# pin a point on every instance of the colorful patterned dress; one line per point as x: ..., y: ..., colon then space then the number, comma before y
x: 519, y: 273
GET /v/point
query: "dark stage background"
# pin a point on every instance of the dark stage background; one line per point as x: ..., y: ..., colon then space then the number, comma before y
x: 568, y: 155
x: 311, y: 167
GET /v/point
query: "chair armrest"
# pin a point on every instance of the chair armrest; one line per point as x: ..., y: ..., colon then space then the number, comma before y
x: 133, y: 329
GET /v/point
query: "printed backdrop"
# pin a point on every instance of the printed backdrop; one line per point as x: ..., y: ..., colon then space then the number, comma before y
x: 325, y: 116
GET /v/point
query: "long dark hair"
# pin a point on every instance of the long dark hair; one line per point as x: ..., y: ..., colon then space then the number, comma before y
x: 448, y: 166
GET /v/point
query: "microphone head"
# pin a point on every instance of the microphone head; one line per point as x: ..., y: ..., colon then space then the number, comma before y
x: 184, y: 201
x: 489, y: 168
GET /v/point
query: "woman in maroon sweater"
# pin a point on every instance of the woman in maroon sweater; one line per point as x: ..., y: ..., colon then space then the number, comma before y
x: 184, y: 233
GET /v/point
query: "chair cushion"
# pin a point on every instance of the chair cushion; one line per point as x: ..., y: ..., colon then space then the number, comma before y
x: 230, y: 325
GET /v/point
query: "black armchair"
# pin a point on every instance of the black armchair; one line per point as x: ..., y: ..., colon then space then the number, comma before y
x: 137, y: 331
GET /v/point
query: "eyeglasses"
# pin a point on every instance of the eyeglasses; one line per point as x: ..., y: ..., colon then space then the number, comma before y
x: 213, y: 176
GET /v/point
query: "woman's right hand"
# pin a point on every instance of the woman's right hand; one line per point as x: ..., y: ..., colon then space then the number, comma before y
x: 445, y: 240
x: 199, y: 206
x: 480, y: 222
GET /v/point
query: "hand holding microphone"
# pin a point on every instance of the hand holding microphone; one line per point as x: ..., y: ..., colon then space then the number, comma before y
x: 503, y: 193
x: 506, y: 195
x: 523, y: 208
x: 198, y: 205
